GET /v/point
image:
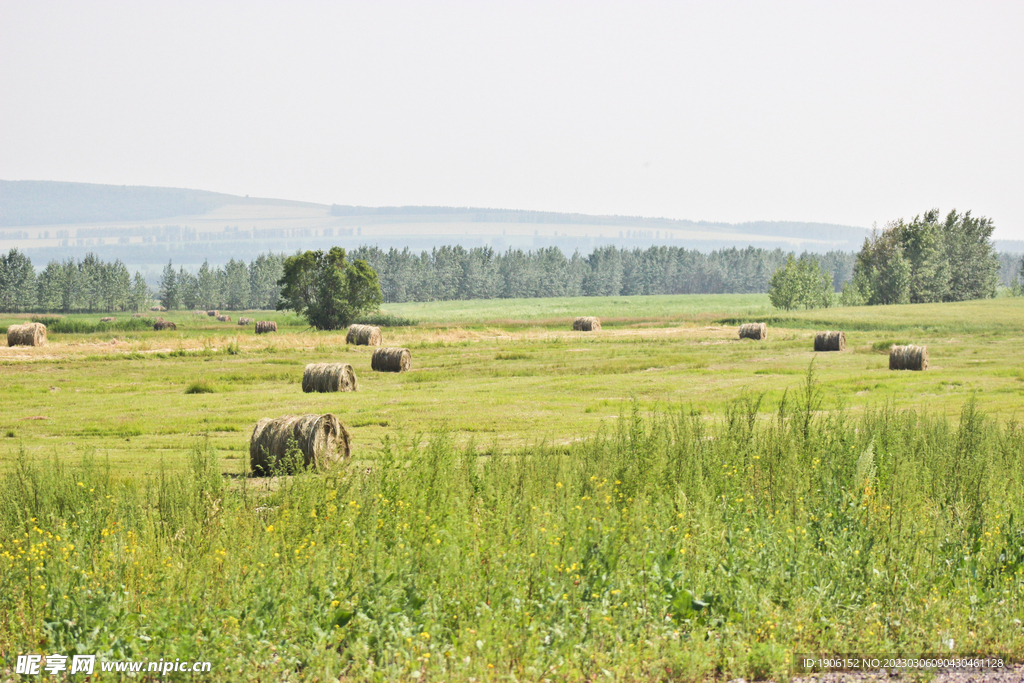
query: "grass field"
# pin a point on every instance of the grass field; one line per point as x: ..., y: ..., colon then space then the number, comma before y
x: 659, y: 500
x: 502, y: 374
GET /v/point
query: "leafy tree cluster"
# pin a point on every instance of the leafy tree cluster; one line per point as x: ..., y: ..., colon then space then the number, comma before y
x: 454, y: 272
x: 328, y: 290
x: 89, y: 285
x: 926, y: 260
x: 801, y: 283
x: 235, y: 286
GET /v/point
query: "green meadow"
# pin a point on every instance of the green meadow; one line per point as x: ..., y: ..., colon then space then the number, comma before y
x: 659, y: 500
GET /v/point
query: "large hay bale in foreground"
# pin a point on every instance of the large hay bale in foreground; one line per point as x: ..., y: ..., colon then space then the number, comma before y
x: 29, y: 334
x: 757, y: 331
x: 224, y: 318
x: 364, y: 335
x: 245, y: 321
x: 164, y: 325
x: 108, y: 320
x: 391, y: 360
x: 908, y: 357
x: 213, y: 314
x: 830, y: 341
x: 264, y: 326
x: 322, y: 439
x: 324, y: 377
x: 586, y: 324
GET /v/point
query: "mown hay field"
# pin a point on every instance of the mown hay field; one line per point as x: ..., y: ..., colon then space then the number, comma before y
x: 499, y: 383
x: 659, y: 500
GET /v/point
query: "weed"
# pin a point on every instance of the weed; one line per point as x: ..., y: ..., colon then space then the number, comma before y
x: 200, y: 386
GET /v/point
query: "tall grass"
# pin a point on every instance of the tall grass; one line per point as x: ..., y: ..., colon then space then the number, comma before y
x: 382, y: 319
x: 668, y: 547
x: 57, y: 325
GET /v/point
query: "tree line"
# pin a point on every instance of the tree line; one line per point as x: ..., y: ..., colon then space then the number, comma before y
x: 454, y: 272
x: 71, y: 286
x: 236, y: 286
x: 926, y: 259
x: 444, y: 273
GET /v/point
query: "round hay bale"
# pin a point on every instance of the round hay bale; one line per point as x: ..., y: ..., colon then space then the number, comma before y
x: 586, y: 324
x: 830, y: 341
x: 321, y: 439
x: 164, y: 325
x: 245, y: 321
x: 29, y: 334
x: 108, y: 320
x: 391, y: 360
x: 157, y: 308
x: 213, y: 314
x: 364, y: 335
x: 908, y: 357
x: 264, y: 326
x: 324, y: 377
x: 757, y: 331
x: 224, y: 318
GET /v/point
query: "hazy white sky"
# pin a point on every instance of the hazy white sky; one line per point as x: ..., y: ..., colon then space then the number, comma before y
x: 844, y: 112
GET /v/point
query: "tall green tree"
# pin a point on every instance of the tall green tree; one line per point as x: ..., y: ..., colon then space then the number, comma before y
x: 924, y: 247
x: 236, y: 285
x: 881, y: 274
x: 17, y: 282
x: 973, y: 265
x: 207, y: 291
x: 140, y: 294
x: 169, y: 288
x: 188, y: 289
x: 327, y: 290
x: 264, y: 272
x: 801, y: 283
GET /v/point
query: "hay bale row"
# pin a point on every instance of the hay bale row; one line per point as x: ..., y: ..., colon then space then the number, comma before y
x: 586, y: 324
x: 908, y: 357
x: 756, y: 331
x: 224, y: 318
x: 29, y: 334
x: 245, y: 321
x: 325, y: 377
x: 108, y: 320
x: 213, y: 314
x: 830, y: 341
x: 164, y: 325
x: 265, y: 326
x: 364, y: 335
x: 322, y: 440
x: 391, y: 360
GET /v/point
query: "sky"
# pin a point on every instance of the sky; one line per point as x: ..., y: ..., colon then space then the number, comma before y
x: 853, y: 113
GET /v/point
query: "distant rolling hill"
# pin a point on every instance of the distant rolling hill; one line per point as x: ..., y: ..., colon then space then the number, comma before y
x: 147, y: 226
